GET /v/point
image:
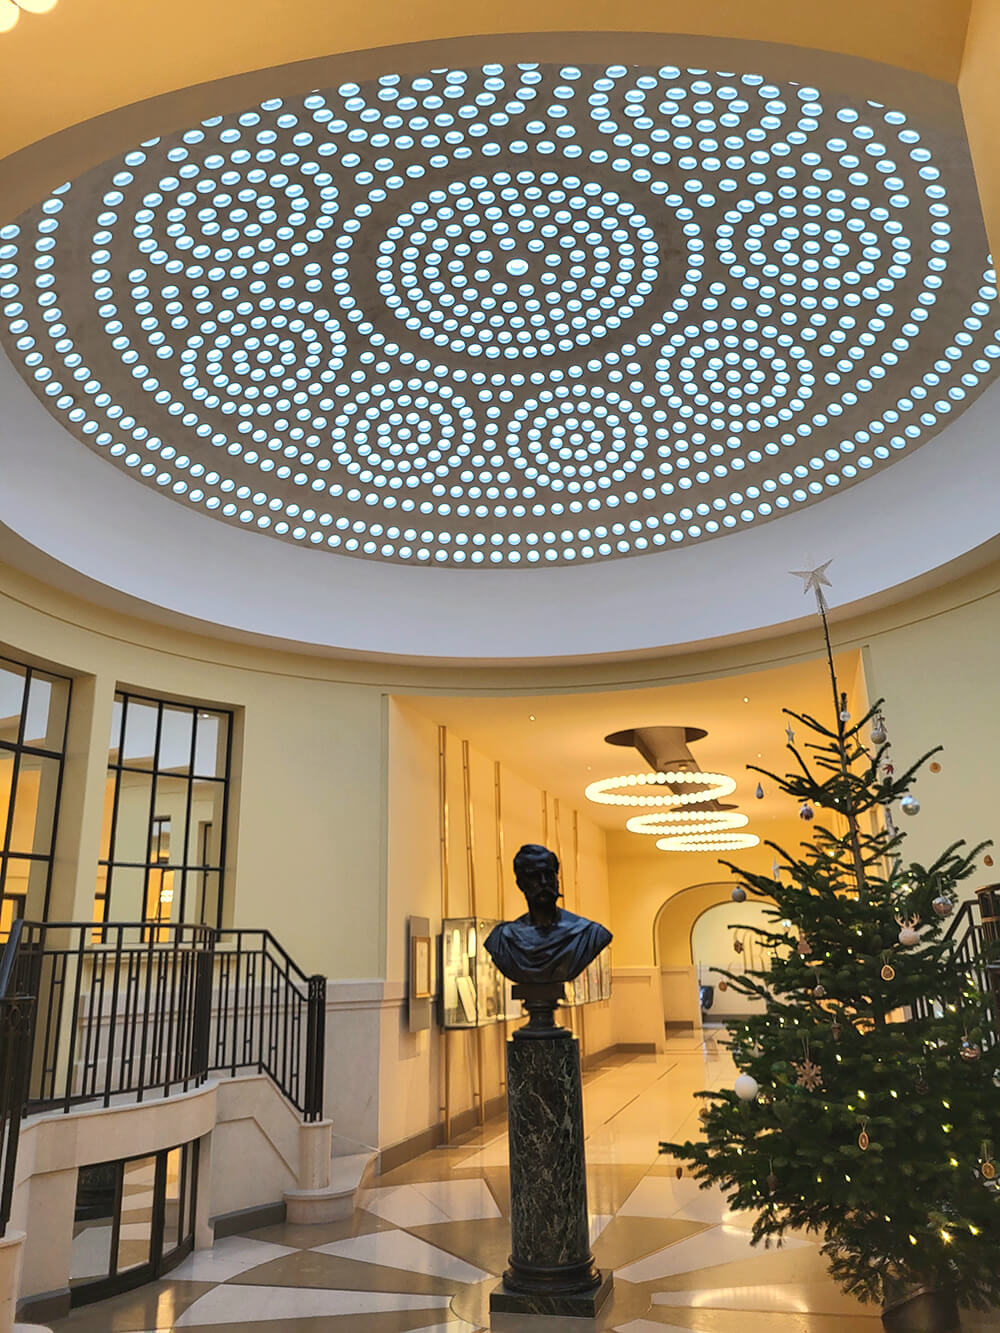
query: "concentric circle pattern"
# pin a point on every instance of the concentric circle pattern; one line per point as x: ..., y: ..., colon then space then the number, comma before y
x: 511, y: 315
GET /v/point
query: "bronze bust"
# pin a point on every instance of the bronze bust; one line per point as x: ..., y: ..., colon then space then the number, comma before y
x: 547, y: 944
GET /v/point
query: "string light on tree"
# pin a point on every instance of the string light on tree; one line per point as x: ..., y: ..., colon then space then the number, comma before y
x: 874, y: 1046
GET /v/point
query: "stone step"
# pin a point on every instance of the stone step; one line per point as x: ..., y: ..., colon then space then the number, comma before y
x: 336, y: 1201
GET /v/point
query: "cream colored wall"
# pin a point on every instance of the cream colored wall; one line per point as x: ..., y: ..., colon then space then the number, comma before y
x: 411, y: 1094
x: 306, y: 845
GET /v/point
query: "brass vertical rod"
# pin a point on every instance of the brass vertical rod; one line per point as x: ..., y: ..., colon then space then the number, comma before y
x: 498, y: 820
x: 470, y: 862
x: 576, y: 859
x: 445, y: 904
x: 545, y: 818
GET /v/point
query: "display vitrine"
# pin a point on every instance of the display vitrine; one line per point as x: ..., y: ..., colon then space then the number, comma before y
x: 472, y: 989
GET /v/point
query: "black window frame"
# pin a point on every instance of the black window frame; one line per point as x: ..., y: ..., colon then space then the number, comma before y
x: 193, y: 876
x: 19, y: 748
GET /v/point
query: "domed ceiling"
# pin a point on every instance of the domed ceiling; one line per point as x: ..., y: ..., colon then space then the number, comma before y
x: 511, y: 314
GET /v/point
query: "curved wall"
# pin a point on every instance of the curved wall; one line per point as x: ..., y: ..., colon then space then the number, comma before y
x: 310, y: 784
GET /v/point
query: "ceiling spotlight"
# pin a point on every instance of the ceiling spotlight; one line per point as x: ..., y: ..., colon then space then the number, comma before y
x: 707, y: 842
x: 10, y: 10
x: 629, y: 789
x: 662, y: 822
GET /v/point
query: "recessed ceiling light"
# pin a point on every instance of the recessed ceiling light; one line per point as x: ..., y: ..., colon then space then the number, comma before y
x: 567, y: 324
x: 531, y: 717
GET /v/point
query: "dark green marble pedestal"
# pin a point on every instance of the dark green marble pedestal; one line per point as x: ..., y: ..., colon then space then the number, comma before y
x: 552, y: 1271
x: 579, y: 1305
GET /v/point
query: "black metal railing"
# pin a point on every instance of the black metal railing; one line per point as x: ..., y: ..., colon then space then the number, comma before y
x: 268, y: 1015
x: 974, y: 952
x: 16, y: 1025
x: 129, y: 1010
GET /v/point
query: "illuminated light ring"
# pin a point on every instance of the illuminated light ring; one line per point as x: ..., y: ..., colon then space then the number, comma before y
x: 687, y: 821
x: 802, y: 315
x: 719, y: 842
x: 715, y: 785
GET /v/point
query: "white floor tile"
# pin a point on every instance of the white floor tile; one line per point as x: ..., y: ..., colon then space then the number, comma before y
x: 246, y: 1304
x: 791, y: 1297
x: 720, y: 1245
x: 662, y: 1196
x: 227, y: 1258
x: 398, y: 1249
x: 403, y: 1206
x: 460, y: 1200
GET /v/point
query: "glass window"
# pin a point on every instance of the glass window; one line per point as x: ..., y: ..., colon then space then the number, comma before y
x: 34, y: 707
x: 133, y: 1222
x: 163, y: 833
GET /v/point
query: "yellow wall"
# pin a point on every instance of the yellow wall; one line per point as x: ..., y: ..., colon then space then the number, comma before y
x: 312, y: 785
x: 979, y: 89
x: 103, y: 54
x: 307, y: 794
x: 412, y: 1085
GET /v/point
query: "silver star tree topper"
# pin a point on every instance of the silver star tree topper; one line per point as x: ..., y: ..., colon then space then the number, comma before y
x: 815, y: 580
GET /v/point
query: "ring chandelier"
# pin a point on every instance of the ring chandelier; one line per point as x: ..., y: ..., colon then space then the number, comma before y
x: 715, y: 842
x: 514, y: 314
x: 608, y: 791
x: 686, y: 822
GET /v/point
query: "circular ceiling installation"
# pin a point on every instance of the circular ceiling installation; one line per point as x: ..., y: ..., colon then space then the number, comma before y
x: 511, y: 315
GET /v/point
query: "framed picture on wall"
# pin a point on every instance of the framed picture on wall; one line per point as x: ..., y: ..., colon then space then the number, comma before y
x: 420, y: 967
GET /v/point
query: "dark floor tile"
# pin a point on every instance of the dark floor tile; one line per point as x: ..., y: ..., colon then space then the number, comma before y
x: 334, y: 1273
x: 152, y: 1307
x: 485, y: 1243
x: 360, y: 1223
x: 626, y: 1239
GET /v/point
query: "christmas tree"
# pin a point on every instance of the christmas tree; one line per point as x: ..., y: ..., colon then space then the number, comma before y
x: 867, y: 1093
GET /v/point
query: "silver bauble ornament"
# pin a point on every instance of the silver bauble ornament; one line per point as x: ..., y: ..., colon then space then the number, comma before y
x: 845, y: 715
x: 746, y: 1088
x: 739, y: 894
x: 819, y: 992
x: 970, y: 1051
x: 943, y: 906
x: 879, y: 734
x: 909, y: 805
x: 806, y: 811
x: 908, y: 936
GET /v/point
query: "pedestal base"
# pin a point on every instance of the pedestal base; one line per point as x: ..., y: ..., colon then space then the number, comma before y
x: 578, y: 1305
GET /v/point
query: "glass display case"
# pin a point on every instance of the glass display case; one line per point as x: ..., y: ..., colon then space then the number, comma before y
x: 593, y: 983
x: 472, y: 990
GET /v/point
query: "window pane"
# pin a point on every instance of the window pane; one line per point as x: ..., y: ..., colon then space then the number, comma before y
x: 35, y: 805
x: 207, y: 801
x: 96, y: 1196
x: 109, y: 806
x: 11, y: 700
x: 126, y: 888
x: 203, y: 902
x: 25, y: 886
x: 136, y: 1231
x: 45, y: 725
x: 210, y: 745
x: 114, y: 745
x: 175, y: 740
x: 140, y: 734
x: 132, y: 827
x: 170, y: 815
x: 6, y: 779
x: 173, y: 1232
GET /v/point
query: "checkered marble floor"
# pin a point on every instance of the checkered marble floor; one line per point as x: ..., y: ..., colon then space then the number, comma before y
x: 430, y: 1240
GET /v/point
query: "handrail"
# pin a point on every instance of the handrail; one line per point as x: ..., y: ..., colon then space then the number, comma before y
x: 137, y: 1008
x: 17, y: 1013
x: 9, y: 955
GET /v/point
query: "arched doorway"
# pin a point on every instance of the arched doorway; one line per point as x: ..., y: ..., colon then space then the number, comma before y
x: 691, y: 938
